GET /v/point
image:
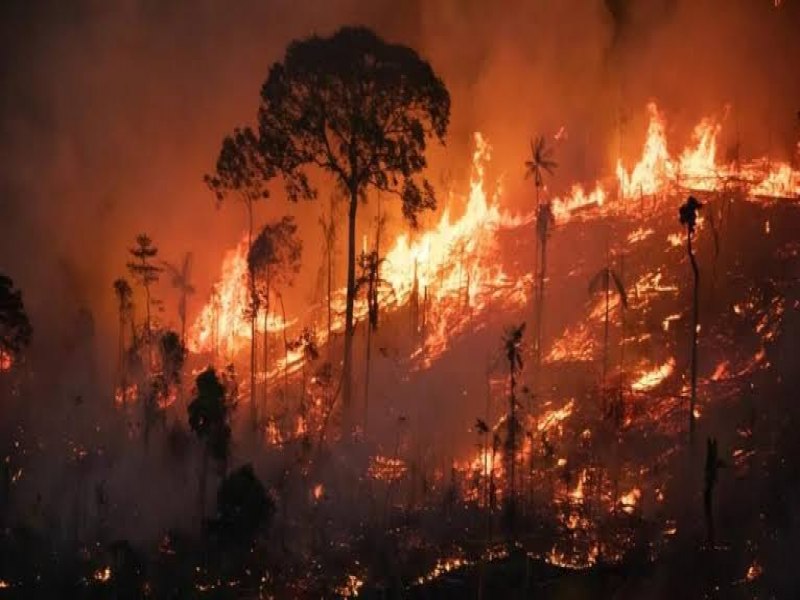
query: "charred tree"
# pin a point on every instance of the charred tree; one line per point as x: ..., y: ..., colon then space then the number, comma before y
x: 181, y: 281
x: 544, y: 223
x: 688, y: 218
x: 512, y: 345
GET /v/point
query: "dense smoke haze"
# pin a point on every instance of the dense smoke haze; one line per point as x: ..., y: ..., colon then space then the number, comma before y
x: 111, y: 113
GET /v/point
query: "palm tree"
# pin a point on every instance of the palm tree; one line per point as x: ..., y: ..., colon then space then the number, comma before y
x: 209, y: 415
x: 512, y: 345
x: 273, y: 261
x: 539, y: 164
x: 603, y: 281
x: 124, y: 294
x: 181, y: 280
x: 688, y: 218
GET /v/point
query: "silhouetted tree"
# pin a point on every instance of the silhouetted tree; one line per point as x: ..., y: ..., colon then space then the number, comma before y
x: 15, y: 328
x: 181, y: 280
x: 209, y: 416
x: 243, y: 508
x: 273, y: 261
x: 512, y: 346
x: 124, y: 294
x: 688, y: 218
x: 603, y: 281
x: 541, y: 162
x: 361, y: 110
x: 146, y: 273
x: 243, y: 172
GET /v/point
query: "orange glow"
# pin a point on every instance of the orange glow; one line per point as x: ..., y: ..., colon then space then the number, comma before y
x: 653, y: 377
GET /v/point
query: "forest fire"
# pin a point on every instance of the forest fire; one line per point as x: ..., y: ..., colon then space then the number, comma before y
x: 472, y: 335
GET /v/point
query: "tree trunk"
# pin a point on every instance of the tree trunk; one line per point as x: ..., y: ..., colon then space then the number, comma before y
x: 366, y: 377
x: 252, y: 287
x: 605, y: 332
x: 265, y: 338
x: 347, y: 374
x: 540, y: 311
x: 695, y: 320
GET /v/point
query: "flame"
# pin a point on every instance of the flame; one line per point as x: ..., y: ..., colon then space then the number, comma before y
x: 630, y: 500
x: 102, y: 575
x: 6, y: 361
x: 652, y: 378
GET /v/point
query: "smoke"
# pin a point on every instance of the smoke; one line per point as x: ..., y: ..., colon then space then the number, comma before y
x: 111, y: 114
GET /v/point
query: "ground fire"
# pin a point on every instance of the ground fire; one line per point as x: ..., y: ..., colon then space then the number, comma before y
x: 385, y: 333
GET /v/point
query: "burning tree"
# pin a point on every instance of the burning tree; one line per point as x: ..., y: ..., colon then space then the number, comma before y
x: 273, y: 261
x: 361, y: 110
x: 209, y: 416
x: 688, y: 218
x: 15, y: 328
x: 242, y: 172
x: 545, y: 220
x: 146, y: 274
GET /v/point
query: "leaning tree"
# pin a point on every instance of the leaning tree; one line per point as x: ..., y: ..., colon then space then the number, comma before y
x: 688, y: 218
x: 361, y: 110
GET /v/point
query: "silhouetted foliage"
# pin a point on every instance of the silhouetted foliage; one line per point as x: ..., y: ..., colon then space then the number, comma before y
x: 243, y: 507
x: 540, y: 162
x: 361, y: 110
x: 173, y: 355
x: 15, y: 328
x: 209, y: 415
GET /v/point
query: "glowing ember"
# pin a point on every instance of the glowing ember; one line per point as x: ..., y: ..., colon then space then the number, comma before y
x: 754, y: 571
x: 630, y: 500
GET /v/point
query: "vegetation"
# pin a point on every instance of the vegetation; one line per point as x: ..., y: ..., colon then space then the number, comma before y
x: 361, y: 110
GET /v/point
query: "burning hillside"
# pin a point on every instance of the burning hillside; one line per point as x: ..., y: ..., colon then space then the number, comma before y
x: 430, y: 345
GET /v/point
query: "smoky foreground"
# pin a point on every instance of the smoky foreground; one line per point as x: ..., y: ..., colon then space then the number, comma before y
x: 405, y: 386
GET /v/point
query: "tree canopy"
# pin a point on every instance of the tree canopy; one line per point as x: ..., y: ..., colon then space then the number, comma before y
x: 357, y: 107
